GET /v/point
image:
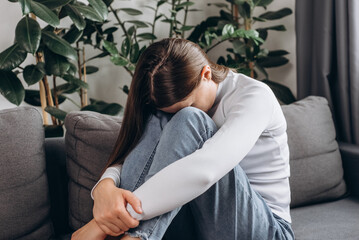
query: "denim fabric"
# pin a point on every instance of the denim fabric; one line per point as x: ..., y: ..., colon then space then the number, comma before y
x: 229, y: 210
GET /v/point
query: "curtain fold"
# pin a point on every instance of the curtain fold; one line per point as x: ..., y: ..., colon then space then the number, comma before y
x: 327, y: 34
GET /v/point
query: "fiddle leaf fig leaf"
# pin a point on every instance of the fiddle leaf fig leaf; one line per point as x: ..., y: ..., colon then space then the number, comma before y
x: 28, y: 34
x: 55, y: 64
x: 11, y: 87
x: 32, y: 74
x: 25, y: 6
x: 44, y: 13
x: 52, y: 4
x: 88, y: 12
x: 103, y: 107
x: 58, y: 45
x: 75, y: 16
x: 12, y: 57
x: 100, y: 7
x: 57, y: 113
x: 277, y: 14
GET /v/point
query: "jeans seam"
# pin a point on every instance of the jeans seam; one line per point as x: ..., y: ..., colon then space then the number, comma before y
x: 147, y: 166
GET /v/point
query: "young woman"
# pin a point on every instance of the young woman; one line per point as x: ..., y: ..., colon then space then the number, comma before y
x: 198, y: 135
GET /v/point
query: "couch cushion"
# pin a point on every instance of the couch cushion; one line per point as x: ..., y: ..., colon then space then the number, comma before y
x: 89, y: 140
x: 24, y: 199
x: 316, y: 166
x: 333, y: 220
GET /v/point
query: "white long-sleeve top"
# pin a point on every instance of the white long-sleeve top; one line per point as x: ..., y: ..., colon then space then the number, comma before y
x: 252, y: 133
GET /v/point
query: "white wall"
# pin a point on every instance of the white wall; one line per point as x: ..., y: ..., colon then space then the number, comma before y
x: 105, y: 84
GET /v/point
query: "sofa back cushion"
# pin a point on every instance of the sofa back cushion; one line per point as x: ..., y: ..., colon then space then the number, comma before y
x: 315, y: 161
x: 24, y: 198
x: 89, y: 140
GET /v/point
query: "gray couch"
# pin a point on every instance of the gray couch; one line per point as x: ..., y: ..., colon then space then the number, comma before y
x: 45, y: 183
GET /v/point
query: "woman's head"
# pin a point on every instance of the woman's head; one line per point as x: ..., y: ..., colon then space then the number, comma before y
x: 170, y: 74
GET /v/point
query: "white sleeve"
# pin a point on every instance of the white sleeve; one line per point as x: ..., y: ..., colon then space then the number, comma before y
x: 113, y: 172
x: 180, y: 182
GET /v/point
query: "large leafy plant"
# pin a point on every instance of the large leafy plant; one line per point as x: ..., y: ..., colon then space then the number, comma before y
x: 246, y: 53
x: 55, y: 56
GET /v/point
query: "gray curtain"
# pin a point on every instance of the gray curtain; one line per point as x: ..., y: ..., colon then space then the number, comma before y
x: 327, y: 34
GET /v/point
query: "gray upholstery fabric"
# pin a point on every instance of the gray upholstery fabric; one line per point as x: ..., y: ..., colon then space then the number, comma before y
x: 90, y: 138
x: 333, y: 220
x: 24, y: 198
x: 316, y: 166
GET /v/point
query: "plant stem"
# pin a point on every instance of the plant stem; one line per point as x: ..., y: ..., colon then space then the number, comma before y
x: 172, y: 18
x: 119, y: 22
x: 43, y: 102
x: 80, y: 71
x: 185, y: 19
x: 55, y: 95
x: 85, y: 79
x: 154, y: 21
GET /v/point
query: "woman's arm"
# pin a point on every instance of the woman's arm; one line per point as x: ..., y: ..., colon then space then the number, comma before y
x: 113, y: 173
x: 247, y: 117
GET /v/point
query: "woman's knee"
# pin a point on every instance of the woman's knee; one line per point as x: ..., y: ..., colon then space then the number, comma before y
x: 194, y: 118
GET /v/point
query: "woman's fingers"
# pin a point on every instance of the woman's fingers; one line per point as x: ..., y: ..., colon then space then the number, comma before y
x: 133, y: 200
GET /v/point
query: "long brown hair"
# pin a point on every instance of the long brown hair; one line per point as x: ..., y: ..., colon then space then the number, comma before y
x: 166, y: 73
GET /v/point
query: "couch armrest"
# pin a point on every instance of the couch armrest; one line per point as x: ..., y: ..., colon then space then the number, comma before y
x: 57, y: 180
x: 350, y: 157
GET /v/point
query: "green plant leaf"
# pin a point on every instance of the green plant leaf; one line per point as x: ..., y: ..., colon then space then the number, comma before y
x: 72, y: 35
x: 11, y: 87
x: 270, y: 62
x: 100, y: 8
x: 32, y: 97
x: 262, y: 3
x: 276, y: 28
x: 277, y: 14
x: 139, y: 24
x: 74, y: 80
x: 130, y: 11
x: 55, y: 64
x: 183, y: 5
x: 58, y: 45
x: 147, y: 36
x: 125, y: 47
x: 75, y: 16
x: 12, y: 57
x: 277, y: 53
x: 67, y: 88
x: 228, y: 29
x: 25, y: 6
x: 110, y: 30
x: 108, y: 2
x: 90, y: 69
x: 103, y: 107
x: 57, y: 113
x: 52, y: 4
x: 28, y: 34
x: 134, y: 52
x: 118, y: 60
x: 110, y: 47
x: 88, y: 12
x: 44, y: 13
x: 32, y: 74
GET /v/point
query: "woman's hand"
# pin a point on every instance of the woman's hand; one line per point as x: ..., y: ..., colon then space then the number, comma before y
x: 91, y: 231
x: 109, y: 208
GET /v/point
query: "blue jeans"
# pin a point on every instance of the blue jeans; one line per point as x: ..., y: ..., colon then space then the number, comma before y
x: 229, y: 210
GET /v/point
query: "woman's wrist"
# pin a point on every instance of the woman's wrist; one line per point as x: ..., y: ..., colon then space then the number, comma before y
x: 105, y: 183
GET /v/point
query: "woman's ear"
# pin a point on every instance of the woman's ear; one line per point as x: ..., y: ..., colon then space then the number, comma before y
x: 206, y: 72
